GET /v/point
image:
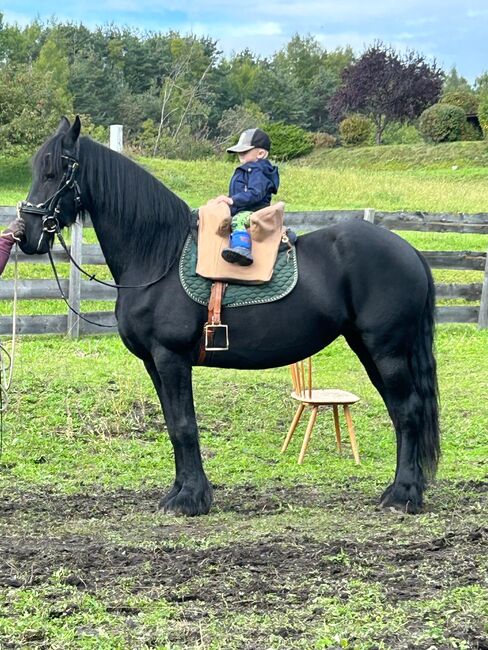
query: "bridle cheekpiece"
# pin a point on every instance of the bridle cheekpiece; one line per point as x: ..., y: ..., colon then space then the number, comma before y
x: 49, y: 210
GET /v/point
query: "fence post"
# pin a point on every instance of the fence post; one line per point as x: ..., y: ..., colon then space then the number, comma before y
x: 74, y: 295
x: 369, y: 214
x: 483, y: 316
x: 117, y: 137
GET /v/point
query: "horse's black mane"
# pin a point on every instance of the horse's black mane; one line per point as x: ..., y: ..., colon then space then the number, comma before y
x: 153, y: 220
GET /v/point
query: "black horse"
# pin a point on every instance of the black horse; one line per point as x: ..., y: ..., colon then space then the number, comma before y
x: 355, y: 279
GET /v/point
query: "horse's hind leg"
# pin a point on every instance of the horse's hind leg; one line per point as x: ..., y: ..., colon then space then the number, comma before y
x: 191, y: 493
x: 405, y: 408
x: 394, y: 378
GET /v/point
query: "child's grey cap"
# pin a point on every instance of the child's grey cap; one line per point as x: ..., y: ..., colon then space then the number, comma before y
x: 249, y: 139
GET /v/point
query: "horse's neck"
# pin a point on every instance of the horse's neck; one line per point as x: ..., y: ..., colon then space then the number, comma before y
x: 111, y: 246
x: 141, y: 225
x: 118, y: 237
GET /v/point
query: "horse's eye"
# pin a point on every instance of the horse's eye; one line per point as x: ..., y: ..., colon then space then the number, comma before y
x: 49, y: 176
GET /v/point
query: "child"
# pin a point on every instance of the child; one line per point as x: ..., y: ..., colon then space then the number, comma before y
x: 250, y: 189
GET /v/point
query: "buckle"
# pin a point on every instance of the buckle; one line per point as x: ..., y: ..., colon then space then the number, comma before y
x: 211, y: 330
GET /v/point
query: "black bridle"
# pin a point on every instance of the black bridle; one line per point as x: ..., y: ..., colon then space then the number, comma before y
x: 49, y: 211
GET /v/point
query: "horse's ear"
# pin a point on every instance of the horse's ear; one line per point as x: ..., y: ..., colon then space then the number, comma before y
x: 72, y: 134
x: 63, y: 125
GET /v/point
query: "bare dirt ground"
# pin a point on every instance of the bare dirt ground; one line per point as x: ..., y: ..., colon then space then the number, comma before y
x: 252, y: 555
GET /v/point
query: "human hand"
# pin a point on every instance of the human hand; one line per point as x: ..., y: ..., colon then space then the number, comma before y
x: 15, y: 229
x: 224, y: 199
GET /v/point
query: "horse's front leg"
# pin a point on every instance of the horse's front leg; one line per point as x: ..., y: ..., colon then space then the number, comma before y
x: 191, y: 493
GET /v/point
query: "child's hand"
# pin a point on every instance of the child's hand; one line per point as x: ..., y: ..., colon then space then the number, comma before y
x: 224, y: 199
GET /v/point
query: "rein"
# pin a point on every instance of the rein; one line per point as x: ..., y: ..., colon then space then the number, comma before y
x: 92, y: 276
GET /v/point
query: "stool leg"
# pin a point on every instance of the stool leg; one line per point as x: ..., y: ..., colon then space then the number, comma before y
x: 337, y: 428
x: 293, y: 426
x: 308, y: 433
x: 352, y: 435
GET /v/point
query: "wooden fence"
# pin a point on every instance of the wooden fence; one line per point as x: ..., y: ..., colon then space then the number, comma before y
x: 79, y: 289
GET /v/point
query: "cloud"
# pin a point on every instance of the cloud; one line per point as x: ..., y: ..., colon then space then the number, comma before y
x: 300, y: 11
x: 231, y: 30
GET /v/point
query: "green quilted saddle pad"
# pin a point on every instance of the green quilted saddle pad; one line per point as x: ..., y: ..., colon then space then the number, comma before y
x: 283, y: 280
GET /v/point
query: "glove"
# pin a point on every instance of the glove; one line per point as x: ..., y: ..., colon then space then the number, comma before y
x: 15, y: 228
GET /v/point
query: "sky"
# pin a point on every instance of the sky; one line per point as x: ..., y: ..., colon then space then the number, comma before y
x: 453, y: 32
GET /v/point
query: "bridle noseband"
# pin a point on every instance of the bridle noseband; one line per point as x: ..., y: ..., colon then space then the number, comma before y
x: 49, y: 210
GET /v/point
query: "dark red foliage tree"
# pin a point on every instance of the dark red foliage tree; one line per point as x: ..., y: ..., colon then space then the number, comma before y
x: 387, y: 86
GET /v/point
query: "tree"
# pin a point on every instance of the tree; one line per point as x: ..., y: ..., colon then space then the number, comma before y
x: 52, y: 65
x: 19, y: 45
x: 455, y: 82
x: 386, y: 86
x: 481, y: 84
x: 279, y: 94
x: 465, y: 99
x: 184, y: 92
x: 97, y: 88
x: 29, y: 107
x: 323, y: 87
x: 240, y: 77
x: 236, y: 119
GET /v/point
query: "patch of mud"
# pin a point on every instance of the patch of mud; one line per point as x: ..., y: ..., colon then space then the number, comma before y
x: 283, y: 567
x: 275, y: 573
x: 245, y: 500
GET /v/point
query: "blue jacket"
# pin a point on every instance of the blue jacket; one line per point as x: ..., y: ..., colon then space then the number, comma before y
x: 252, y: 185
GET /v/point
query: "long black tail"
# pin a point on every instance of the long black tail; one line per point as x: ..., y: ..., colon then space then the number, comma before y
x: 424, y: 370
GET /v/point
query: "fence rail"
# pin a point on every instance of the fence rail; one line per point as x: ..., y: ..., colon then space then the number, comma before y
x: 79, y: 289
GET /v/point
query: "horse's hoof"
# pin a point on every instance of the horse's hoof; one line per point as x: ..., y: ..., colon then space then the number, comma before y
x: 167, y: 497
x: 188, y: 503
x: 402, y: 497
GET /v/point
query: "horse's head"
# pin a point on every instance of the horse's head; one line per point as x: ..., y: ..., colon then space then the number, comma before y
x: 54, y: 198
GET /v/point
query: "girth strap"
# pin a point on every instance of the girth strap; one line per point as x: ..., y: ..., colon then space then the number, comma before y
x: 213, y: 323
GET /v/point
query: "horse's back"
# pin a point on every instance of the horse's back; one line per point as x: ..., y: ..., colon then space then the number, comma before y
x: 381, y: 274
x: 361, y: 247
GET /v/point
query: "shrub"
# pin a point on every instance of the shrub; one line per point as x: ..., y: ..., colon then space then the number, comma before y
x: 356, y: 130
x: 288, y: 140
x: 442, y: 123
x: 323, y: 140
x: 95, y: 131
x: 471, y: 132
x: 465, y: 99
x: 398, y: 133
x: 483, y: 114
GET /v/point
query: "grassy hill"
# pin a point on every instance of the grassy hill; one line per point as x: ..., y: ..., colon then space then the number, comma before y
x: 464, y: 155
x: 451, y: 177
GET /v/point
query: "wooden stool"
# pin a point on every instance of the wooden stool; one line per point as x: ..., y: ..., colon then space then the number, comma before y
x: 319, y: 398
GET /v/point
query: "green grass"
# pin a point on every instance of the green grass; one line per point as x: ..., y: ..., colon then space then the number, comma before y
x: 402, y: 177
x: 316, y: 187
x: 469, y: 157
x: 65, y: 420
x: 15, y: 177
x: 83, y: 424
x: 84, y: 420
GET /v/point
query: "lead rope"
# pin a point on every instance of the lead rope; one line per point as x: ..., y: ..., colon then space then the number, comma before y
x: 6, y: 357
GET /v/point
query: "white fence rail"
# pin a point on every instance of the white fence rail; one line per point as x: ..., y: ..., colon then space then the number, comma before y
x: 79, y: 289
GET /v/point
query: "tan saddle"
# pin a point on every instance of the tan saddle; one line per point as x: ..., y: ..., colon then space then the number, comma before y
x: 266, y: 229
